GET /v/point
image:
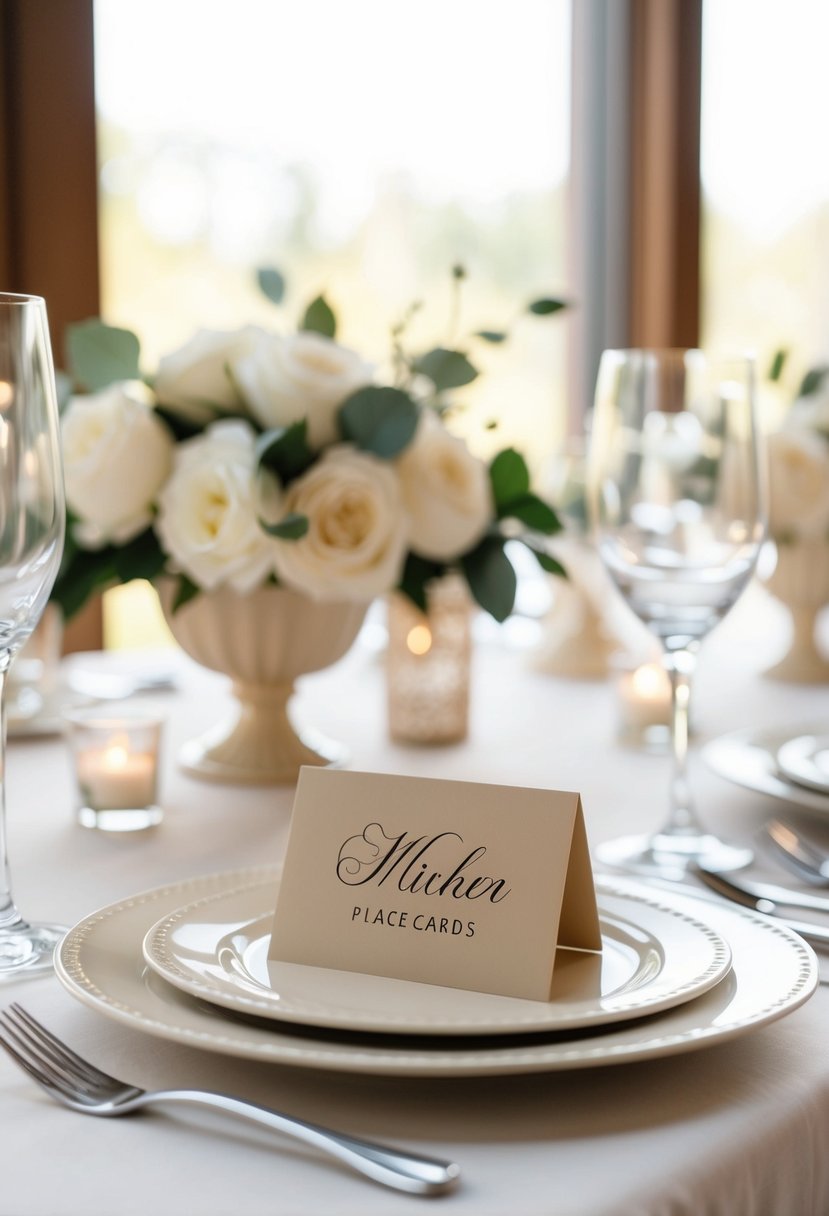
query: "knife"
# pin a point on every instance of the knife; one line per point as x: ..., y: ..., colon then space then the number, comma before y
x: 740, y: 894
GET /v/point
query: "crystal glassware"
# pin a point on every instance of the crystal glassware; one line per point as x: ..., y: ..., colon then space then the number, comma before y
x: 677, y: 503
x: 32, y: 521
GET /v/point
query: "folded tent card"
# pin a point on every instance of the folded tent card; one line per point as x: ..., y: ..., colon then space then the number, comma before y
x: 442, y: 882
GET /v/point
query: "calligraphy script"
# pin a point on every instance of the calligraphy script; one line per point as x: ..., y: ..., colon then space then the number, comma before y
x: 410, y: 864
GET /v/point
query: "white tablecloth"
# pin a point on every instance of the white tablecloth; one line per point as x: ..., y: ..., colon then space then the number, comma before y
x: 740, y: 1129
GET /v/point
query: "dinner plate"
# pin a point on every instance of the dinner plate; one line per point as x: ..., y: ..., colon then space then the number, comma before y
x: 805, y: 760
x: 749, y: 758
x: 652, y: 957
x: 100, y: 962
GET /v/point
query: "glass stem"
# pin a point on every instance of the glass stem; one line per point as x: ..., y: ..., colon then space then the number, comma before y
x: 9, y: 915
x: 680, y: 665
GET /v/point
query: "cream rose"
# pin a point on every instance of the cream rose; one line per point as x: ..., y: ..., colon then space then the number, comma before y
x: 208, y: 511
x: 116, y: 456
x: 446, y: 492
x: 798, y: 483
x: 356, y: 540
x: 195, y: 379
x: 301, y: 376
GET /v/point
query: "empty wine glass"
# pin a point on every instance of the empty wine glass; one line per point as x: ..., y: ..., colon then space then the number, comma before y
x: 32, y: 521
x: 677, y: 502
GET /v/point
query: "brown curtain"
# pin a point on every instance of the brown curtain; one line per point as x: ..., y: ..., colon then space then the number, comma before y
x: 48, y: 176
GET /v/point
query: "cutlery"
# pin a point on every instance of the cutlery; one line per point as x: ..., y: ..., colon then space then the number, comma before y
x: 738, y: 894
x: 778, y: 895
x: 798, y: 852
x: 113, y: 686
x: 74, y: 1082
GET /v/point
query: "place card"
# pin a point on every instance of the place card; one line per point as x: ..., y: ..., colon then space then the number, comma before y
x: 443, y: 882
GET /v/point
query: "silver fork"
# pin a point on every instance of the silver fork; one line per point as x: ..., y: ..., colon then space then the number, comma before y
x: 76, y: 1083
x: 805, y: 858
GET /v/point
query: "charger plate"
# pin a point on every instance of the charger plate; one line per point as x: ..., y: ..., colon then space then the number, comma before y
x: 749, y: 758
x: 652, y: 957
x: 100, y: 962
x: 805, y: 760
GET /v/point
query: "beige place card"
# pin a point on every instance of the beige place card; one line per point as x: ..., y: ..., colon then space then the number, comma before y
x: 444, y: 882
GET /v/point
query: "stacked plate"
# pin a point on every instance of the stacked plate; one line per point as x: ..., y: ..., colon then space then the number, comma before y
x: 794, y: 767
x: 190, y: 963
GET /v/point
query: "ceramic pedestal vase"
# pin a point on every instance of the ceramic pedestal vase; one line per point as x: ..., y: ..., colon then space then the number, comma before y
x: 800, y: 580
x: 263, y: 641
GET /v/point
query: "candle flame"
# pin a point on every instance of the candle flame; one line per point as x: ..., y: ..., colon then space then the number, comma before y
x: 117, y: 753
x: 648, y: 681
x: 419, y: 639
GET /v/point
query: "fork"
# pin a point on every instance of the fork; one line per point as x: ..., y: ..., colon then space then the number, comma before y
x: 74, y: 1082
x: 805, y: 858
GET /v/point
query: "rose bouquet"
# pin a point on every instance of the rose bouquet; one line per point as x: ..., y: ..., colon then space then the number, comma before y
x: 254, y: 456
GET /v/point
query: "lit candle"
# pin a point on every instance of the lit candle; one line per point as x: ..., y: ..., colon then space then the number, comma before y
x: 645, y: 705
x: 116, y: 767
x: 116, y: 778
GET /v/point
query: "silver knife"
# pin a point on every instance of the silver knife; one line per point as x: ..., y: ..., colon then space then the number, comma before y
x: 768, y: 907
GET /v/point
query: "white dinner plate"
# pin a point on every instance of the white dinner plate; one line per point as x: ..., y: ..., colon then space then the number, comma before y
x: 749, y: 758
x: 652, y: 957
x: 805, y: 760
x: 100, y: 962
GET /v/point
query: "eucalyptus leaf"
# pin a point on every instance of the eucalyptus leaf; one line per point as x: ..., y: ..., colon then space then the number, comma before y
x: 290, y: 527
x: 186, y: 591
x: 509, y: 476
x: 546, y: 306
x: 379, y: 420
x: 445, y: 368
x: 100, y: 354
x: 63, y: 388
x: 491, y: 577
x: 178, y: 426
x: 87, y: 572
x: 492, y: 335
x: 319, y: 318
x: 271, y: 283
x: 285, y: 451
x: 532, y: 511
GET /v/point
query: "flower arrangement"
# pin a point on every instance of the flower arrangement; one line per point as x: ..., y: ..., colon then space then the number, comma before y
x: 256, y: 456
x: 799, y: 461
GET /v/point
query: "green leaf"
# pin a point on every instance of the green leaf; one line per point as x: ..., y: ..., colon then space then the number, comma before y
x: 63, y: 388
x: 445, y: 368
x: 418, y: 572
x: 509, y: 476
x: 545, y: 560
x: 491, y: 577
x: 100, y: 354
x: 81, y: 577
x: 459, y: 271
x: 777, y: 364
x: 179, y: 427
x: 492, y: 335
x: 271, y: 283
x: 285, y: 451
x: 379, y: 420
x: 186, y: 591
x: 290, y: 527
x: 320, y: 318
x: 546, y: 306
x: 142, y: 557
x: 812, y: 382
x: 532, y: 511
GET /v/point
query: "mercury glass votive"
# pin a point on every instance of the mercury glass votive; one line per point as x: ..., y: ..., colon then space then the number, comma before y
x: 428, y: 665
x: 116, y: 769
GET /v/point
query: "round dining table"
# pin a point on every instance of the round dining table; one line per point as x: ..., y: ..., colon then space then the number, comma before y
x: 736, y: 1128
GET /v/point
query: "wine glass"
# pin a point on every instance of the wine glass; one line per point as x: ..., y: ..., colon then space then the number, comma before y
x: 677, y: 501
x: 32, y: 522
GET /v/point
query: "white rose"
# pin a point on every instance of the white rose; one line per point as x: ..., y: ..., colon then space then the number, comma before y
x: 356, y: 540
x: 116, y: 456
x: 208, y: 510
x: 446, y: 492
x: 302, y: 376
x: 798, y: 483
x: 195, y: 380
